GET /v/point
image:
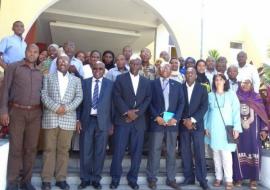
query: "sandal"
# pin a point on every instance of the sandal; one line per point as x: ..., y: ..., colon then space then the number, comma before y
x: 229, y: 186
x: 238, y: 183
x: 253, y: 185
x: 217, y: 183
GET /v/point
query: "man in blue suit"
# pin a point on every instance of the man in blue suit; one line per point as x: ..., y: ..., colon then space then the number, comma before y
x: 131, y: 97
x: 168, y: 99
x: 95, y: 119
x: 192, y: 129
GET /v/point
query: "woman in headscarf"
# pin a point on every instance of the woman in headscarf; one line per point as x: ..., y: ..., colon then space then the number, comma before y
x: 201, y: 77
x: 255, y: 124
x: 175, y: 73
x: 52, y: 54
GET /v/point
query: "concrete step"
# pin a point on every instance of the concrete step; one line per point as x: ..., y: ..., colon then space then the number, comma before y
x: 74, y: 164
x: 73, y: 180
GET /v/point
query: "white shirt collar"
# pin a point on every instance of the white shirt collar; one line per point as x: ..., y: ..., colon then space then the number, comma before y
x: 133, y: 76
x: 100, y: 79
x: 60, y: 74
x: 192, y: 86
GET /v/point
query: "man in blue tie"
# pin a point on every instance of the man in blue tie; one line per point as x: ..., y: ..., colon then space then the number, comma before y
x: 94, y: 121
x: 131, y: 97
x: 168, y: 101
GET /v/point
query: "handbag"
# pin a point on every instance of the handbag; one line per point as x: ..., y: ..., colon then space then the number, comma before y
x: 228, y: 128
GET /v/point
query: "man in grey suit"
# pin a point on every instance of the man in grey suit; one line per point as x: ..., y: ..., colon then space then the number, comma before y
x: 94, y: 122
x: 61, y: 95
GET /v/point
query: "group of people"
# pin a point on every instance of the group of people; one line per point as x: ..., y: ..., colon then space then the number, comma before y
x: 141, y: 106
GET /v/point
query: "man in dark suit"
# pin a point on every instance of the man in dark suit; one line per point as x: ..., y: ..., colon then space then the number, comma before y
x: 131, y: 97
x: 94, y: 122
x: 168, y: 98
x: 192, y: 129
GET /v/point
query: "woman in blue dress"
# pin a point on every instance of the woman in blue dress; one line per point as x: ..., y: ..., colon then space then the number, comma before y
x: 216, y: 135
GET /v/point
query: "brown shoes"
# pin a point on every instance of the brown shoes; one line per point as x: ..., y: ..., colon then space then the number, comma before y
x: 173, y: 185
x: 152, y: 185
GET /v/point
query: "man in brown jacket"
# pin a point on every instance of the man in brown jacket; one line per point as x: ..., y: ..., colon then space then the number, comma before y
x: 20, y: 109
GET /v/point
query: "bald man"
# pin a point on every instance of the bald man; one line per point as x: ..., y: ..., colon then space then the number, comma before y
x: 21, y: 110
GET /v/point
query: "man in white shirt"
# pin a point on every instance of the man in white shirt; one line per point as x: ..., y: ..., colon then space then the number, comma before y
x: 210, y: 69
x: 247, y: 70
x: 131, y: 98
x: 76, y: 66
x: 61, y: 95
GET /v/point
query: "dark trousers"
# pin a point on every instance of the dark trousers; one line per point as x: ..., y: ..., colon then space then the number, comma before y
x: 24, y: 130
x: 199, y: 153
x: 122, y: 136
x: 93, y: 143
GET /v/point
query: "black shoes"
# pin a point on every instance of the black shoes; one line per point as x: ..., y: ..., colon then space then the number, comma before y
x: 96, y: 185
x: 62, y: 185
x: 152, y: 185
x: 46, y: 186
x: 133, y: 185
x: 114, y: 185
x: 204, y: 186
x: 187, y: 182
x: 27, y: 186
x: 84, y: 184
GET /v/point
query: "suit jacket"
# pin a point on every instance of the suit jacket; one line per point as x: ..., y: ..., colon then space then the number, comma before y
x: 50, y: 96
x: 104, y: 107
x: 157, y: 106
x: 197, y: 107
x: 125, y: 99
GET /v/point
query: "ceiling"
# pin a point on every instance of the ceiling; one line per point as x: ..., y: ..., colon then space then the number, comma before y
x: 98, y: 24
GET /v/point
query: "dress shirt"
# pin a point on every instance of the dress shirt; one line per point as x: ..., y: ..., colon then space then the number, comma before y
x: 135, y: 82
x: 210, y: 76
x: 189, y: 91
x: 74, y: 61
x: 13, y: 48
x: 114, y: 72
x: 94, y: 111
x: 249, y: 71
x: 22, y: 85
x: 63, y: 83
x: 165, y: 85
x: 233, y: 85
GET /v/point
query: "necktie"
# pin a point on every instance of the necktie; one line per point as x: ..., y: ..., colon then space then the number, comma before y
x: 165, y: 93
x: 95, y: 96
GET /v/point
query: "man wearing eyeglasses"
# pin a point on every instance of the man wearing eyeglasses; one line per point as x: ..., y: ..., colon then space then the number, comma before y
x: 94, y: 122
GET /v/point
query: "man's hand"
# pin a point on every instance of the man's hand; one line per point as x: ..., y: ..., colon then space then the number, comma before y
x: 4, y: 119
x: 72, y: 69
x: 132, y: 114
x: 2, y: 63
x: 235, y: 134
x: 207, y: 133
x: 160, y: 121
x: 61, y: 110
x: 78, y: 127
x: 263, y: 135
x: 188, y: 124
x: 111, y: 130
x: 172, y: 122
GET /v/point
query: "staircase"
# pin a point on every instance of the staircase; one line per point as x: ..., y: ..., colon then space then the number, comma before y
x: 74, y: 180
